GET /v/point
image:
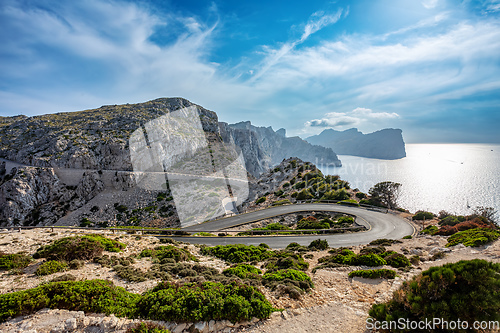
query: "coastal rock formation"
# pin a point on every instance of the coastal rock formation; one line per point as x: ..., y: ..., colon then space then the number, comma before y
x: 273, y: 147
x: 384, y: 144
x: 76, y: 167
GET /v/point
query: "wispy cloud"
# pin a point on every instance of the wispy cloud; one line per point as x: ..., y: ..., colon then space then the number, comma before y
x: 316, y: 22
x: 429, y: 4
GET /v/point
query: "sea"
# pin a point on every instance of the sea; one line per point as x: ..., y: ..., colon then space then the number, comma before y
x: 434, y: 177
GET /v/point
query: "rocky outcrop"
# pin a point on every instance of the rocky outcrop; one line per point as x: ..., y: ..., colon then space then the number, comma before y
x: 384, y: 144
x: 264, y: 148
x: 90, y: 139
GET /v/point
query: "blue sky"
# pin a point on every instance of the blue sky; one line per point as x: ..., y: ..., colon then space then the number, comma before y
x: 429, y: 67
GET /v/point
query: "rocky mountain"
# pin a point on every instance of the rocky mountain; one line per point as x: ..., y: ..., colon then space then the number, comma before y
x: 264, y: 148
x: 384, y: 144
x: 76, y: 168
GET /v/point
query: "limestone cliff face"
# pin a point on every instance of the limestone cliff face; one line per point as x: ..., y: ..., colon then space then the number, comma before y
x: 269, y: 148
x: 90, y: 139
x: 384, y: 144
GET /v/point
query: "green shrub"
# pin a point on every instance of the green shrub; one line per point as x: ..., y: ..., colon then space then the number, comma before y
x: 473, y: 237
x: 307, y: 224
x: 260, y: 200
x: 408, y: 237
x: 76, y: 264
x: 284, y: 260
x: 296, y: 247
x: 360, y: 195
x: 368, y: 260
x: 15, y: 260
x: 243, y: 271
x: 336, y: 195
x: 85, y: 222
x: 107, y: 261
x: 374, y: 273
x: 203, y: 302
x: 350, y: 202
x: 466, y: 291
x: 290, y: 274
x: 397, y: 260
x: 373, y: 249
x: 345, y: 220
x: 430, y: 230
x: 281, y: 202
x: 51, y: 267
x: 238, y: 253
x: 96, y: 296
x: 318, y: 244
x: 384, y: 242
x: 304, y: 194
x: 278, y: 193
x: 422, y: 215
x: 78, y: 247
x: 147, y: 327
x: 169, y: 251
x: 204, y: 234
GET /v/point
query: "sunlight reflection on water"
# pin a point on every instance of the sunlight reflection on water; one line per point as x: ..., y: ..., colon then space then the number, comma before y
x: 434, y: 176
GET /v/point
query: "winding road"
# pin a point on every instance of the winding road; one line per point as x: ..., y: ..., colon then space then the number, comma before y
x: 379, y: 224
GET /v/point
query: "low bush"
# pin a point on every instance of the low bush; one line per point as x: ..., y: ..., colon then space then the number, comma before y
x: 284, y: 260
x: 292, y: 275
x: 78, y: 247
x: 318, y: 244
x: 347, y: 257
x: 260, y: 200
x: 147, y: 327
x: 345, y: 220
x: 466, y: 291
x: 51, y: 267
x: 384, y: 242
x: 243, y: 271
x: 281, y: 202
x: 204, y: 234
x: 169, y: 251
x: 360, y: 195
x: 296, y: 247
x: 374, y: 273
x: 238, y: 253
x: 203, y: 302
x: 305, y: 224
x: 64, y: 277
x: 473, y: 237
x: 350, y: 202
x: 169, y: 302
x: 408, y: 237
x: 479, y: 222
x: 430, y: 230
x: 15, y: 260
x: 107, y: 261
x: 372, y: 249
x: 368, y: 260
x: 415, y: 260
x: 397, y: 260
x: 422, y: 215
x: 97, y: 296
x: 76, y: 264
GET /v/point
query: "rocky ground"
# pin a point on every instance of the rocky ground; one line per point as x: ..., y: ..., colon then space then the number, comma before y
x: 337, y: 303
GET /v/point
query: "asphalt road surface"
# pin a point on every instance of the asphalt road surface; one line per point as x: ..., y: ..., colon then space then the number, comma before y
x: 379, y: 224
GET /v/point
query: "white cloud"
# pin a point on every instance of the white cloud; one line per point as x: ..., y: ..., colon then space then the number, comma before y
x: 429, y: 4
x: 352, y: 118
